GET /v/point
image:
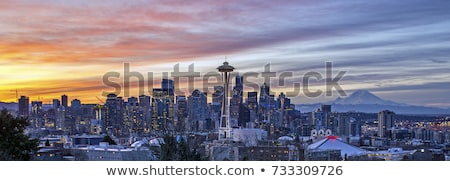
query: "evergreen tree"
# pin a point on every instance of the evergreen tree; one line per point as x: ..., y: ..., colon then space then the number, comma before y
x: 173, y: 150
x: 14, y: 144
x: 108, y: 139
x: 169, y: 149
x: 47, y: 142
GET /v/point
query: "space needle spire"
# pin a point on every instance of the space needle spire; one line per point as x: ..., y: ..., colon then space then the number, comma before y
x: 225, y: 128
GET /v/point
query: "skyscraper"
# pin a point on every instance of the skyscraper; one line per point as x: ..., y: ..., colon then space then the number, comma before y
x: 317, y: 119
x: 36, y: 114
x: 114, y: 114
x: 167, y: 85
x: 56, y: 103
x: 283, y: 102
x: 145, y: 104
x: 133, y: 117
x: 385, y: 122
x: 330, y: 123
x: 60, y: 120
x: 236, y: 100
x: 165, y: 99
x: 252, y: 104
x: 36, y: 108
x: 64, y: 101
x: 182, y: 114
x: 264, y: 93
x: 225, y: 127
x: 75, y: 108
x: 162, y: 109
x: 244, y: 116
x: 197, y: 110
x: 75, y: 122
x: 24, y: 103
x: 282, y: 105
x: 239, y: 87
x: 266, y: 102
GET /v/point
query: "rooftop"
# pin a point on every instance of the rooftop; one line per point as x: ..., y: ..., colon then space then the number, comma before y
x: 333, y: 143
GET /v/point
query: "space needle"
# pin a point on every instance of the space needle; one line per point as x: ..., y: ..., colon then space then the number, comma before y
x: 225, y: 128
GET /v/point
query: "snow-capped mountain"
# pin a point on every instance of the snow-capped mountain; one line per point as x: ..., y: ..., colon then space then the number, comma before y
x: 363, y: 97
x: 364, y: 101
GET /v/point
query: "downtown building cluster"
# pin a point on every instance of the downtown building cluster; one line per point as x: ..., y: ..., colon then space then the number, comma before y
x: 263, y: 129
x: 164, y: 113
x: 256, y: 126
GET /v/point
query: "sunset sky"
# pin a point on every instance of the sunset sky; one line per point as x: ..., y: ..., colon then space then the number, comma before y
x: 398, y: 50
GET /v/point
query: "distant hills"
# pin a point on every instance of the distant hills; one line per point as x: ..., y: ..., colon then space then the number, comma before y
x: 12, y: 106
x: 8, y: 106
x: 364, y: 101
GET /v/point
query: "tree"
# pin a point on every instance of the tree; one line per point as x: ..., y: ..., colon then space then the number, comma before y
x: 177, y: 150
x: 168, y: 149
x: 108, y: 139
x: 14, y: 143
x: 47, y: 143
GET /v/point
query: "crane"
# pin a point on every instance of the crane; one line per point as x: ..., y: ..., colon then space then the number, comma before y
x: 99, y: 106
x: 16, y: 91
x: 100, y: 100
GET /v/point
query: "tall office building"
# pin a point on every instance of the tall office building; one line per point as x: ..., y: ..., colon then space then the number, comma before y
x: 114, y: 114
x: 266, y: 102
x: 234, y: 110
x: 385, y: 122
x: 348, y: 126
x: 182, y: 114
x: 252, y: 104
x: 236, y: 100
x: 75, y: 108
x: 238, y: 89
x: 330, y: 122
x: 197, y: 111
x: 133, y: 117
x: 162, y: 110
x: 24, y: 103
x: 317, y: 119
x: 36, y: 108
x: 145, y: 104
x: 74, y: 121
x: 167, y: 85
x: 244, y: 116
x: 86, y: 125
x: 88, y: 111
x: 56, y: 103
x: 64, y: 101
x: 282, y: 104
x: 264, y: 93
x: 36, y: 114
x: 60, y: 119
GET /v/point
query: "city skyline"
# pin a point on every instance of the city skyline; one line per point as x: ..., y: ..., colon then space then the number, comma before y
x: 398, y: 51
